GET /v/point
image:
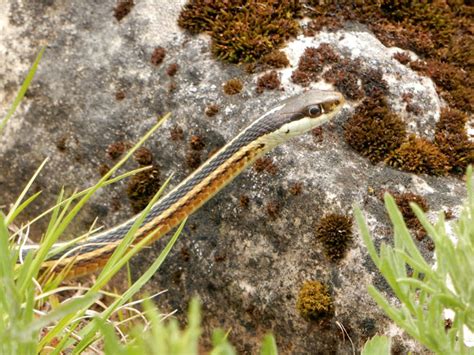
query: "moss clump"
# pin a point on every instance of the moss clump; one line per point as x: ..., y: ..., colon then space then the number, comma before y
x: 158, y: 56
x: 123, y: 8
x: 275, y: 59
x: 312, y: 62
x: 211, y: 110
x: 335, y: 232
x: 142, y: 187
x: 419, y: 156
x: 242, y: 30
x: 374, y: 131
x: 233, y: 86
x: 403, y: 201
x: 268, y: 81
x: 455, y: 84
x: 196, y: 142
x: 143, y: 156
x: 452, y: 140
x: 314, y: 301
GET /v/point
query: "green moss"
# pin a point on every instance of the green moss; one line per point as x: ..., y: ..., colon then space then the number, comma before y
x: 419, y: 156
x: 374, y: 131
x: 242, y: 30
x: 335, y: 232
x: 314, y: 301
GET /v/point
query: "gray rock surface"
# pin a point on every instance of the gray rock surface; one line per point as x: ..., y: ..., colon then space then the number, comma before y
x: 245, y: 265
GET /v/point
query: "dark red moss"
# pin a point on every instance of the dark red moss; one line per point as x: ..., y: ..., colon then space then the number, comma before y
x: 142, y: 187
x: 312, y: 62
x: 268, y: 81
x: 242, y: 30
x: 335, y: 232
x: 374, y: 131
x: 158, y: 56
x: 419, y: 156
x: 123, y: 8
x: 172, y: 69
x: 233, y: 86
x: 345, y: 77
x: 314, y: 301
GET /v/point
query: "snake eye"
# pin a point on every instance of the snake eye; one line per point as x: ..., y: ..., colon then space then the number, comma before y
x: 315, y: 110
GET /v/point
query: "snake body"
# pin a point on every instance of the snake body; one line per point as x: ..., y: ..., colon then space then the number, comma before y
x: 291, y: 117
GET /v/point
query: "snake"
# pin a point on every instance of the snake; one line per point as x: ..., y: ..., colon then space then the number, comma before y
x: 289, y: 118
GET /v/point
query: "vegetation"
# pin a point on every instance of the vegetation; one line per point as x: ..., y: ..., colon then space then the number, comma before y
x: 426, y: 293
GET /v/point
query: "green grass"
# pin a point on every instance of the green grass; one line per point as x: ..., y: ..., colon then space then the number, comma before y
x: 425, y: 291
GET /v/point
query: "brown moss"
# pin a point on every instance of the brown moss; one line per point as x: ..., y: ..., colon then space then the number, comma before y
x: 314, y: 301
x: 452, y: 140
x: 419, y: 156
x: 244, y: 201
x: 61, y: 143
x: 233, y: 86
x: 296, y: 188
x: 123, y: 8
x: 273, y: 209
x: 211, y: 110
x: 120, y: 95
x: 115, y: 150
x: 455, y: 84
x: 268, y: 81
x: 176, y: 133
x: 158, y: 56
x: 193, y: 159
x: 275, y: 59
x: 142, y: 187
x: 402, y: 57
x: 374, y: 131
x: 143, y: 156
x: 172, y: 69
x: 242, y: 30
x: 312, y: 62
x: 103, y: 169
x: 335, y: 232
x: 196, y: 142
x: 403, y: 201
x: 265, y: 164
x: 345, y: 77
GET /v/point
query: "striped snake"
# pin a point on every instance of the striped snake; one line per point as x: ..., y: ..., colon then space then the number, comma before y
x: 290, y: 118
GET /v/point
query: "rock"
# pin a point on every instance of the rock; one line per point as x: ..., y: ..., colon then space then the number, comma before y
x: 96, y: 86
